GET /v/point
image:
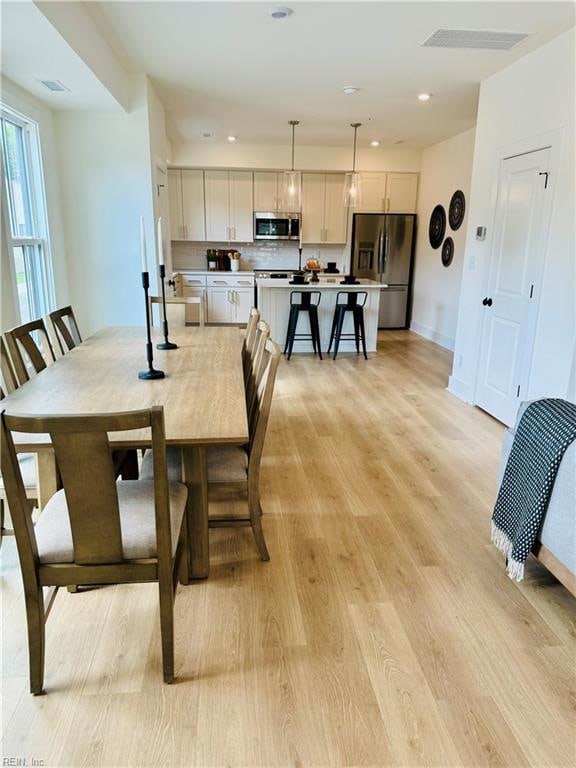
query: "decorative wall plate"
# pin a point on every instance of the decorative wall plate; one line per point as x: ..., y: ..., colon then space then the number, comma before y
x: 437, y: 226
x: 457, y: 210
x: 447, y: 252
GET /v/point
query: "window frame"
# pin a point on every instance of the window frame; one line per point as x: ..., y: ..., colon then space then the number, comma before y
x: 34, y: 168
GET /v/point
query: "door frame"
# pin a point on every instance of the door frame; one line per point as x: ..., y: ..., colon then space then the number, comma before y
x: 553, y: 141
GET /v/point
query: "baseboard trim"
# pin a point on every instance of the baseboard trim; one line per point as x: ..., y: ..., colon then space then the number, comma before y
x: 432, y: 335
x: 460, y: 389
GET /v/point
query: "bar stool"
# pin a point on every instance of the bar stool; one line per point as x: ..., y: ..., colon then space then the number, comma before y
x: 303, y: 301
x: 349, y: 301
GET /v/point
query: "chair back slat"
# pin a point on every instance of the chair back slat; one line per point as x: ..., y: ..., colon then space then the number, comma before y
x: 8, y: 381
x: 256, y: 367
x: 87, y: 470
x: 65, y: 328
x: 251, y: 329
x: 86, y: 467
x: 20, y: 340
x: 258, y: 418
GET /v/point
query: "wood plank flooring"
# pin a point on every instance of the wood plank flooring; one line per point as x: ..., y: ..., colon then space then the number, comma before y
x: 384, y: 631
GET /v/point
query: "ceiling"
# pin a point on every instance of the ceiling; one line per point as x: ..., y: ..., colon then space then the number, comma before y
x: 32, y: 50
x: 229, y: 68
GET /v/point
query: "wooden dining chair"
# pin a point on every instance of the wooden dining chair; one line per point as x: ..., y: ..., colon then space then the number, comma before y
x: 236, y: 469
x: 255, y: 368
x: 29, y: 355
x: 96, y: 530
x: 27, y: 461
x: 64, y: 328
x: 176, y: 310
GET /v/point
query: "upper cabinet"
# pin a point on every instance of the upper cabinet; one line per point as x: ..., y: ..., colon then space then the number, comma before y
x: 186, y: 197
x: 388, y: 192
x: 229, y: 206
x: 401, y: 192
x: 324, y: 215
x: 267, y: 191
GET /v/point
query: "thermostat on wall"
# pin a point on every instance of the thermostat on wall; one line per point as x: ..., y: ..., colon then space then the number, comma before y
x: 480, y: 233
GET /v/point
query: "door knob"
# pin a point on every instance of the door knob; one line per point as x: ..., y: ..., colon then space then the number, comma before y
x: 487, y: 302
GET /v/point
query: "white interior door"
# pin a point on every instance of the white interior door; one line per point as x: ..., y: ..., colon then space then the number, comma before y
x: 519, y: 245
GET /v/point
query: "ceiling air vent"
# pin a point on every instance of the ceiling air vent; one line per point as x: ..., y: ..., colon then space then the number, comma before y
x: 54, y: 85
x: 474, y: 38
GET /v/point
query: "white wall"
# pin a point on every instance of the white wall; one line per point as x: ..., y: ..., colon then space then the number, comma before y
x: 107, y: 185
x: 277, y: 156
x: 445, y: 167
x: 23, y: 102
x: 521, y: 107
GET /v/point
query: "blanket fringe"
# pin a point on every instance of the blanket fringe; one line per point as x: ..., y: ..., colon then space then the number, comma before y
x: 514, y: 568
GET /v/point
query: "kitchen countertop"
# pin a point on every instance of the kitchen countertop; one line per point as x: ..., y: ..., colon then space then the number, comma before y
x: 273, y: 282
x: 241, y: 272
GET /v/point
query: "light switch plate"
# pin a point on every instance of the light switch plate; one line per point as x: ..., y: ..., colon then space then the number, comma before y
x: 480, y: 233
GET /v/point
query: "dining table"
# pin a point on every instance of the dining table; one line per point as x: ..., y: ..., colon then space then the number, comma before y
x: 202, y: 394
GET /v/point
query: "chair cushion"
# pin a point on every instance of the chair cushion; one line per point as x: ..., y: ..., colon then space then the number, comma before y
x: 227, y: 464
x: 137, y: 521
x: 173, y: 460
x: 28, y: 469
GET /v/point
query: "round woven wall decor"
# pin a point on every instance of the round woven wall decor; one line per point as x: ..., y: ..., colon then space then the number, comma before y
x: 447, y: 252
x: 437, y: 226
x: 457, y: 210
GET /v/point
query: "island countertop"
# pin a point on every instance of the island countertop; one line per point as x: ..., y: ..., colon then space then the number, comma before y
x: 322, y: 284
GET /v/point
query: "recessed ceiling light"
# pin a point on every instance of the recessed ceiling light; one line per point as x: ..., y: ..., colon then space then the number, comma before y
x: 232, y: 139
x: 281, y: 13
x: 374, y: 143
x: 350, y: 89
x: 424, y: 96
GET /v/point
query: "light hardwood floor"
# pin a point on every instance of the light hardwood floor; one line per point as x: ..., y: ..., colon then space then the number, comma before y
x: 383, y: 632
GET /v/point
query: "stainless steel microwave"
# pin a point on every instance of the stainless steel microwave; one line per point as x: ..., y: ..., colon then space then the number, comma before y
x: 276, y: 226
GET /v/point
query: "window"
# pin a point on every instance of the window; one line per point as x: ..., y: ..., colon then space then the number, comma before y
x: 24, y: 212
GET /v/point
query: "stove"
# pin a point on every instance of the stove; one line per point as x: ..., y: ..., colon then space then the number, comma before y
x: 280, y: 274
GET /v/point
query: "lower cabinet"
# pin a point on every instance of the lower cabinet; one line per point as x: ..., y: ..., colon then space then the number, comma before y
x: 193, y: 310
x: 229, y: 305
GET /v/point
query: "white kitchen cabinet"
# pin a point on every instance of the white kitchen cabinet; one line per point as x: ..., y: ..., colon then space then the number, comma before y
x: 186, y: 196
x: 229, y: 298
x: 373, y: 192
x: 220, y: 306
x: 267, y: 191
x: 388, y: 192
x: 193, y: 205
x: 401, y: 192
x: 175, y: 202
x: 229, y: 206
x: 241, y: 186
x: 324, y: 215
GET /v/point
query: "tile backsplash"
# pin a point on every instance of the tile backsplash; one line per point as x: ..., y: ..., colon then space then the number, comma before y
x: 186, y: 255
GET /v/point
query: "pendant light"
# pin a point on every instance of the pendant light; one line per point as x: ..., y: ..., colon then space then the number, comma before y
x: 352, y: 182
x: 292, y: 181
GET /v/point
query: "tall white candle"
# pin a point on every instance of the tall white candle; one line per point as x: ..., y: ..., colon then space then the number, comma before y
x: 160, y: 246
x: 143, y: 244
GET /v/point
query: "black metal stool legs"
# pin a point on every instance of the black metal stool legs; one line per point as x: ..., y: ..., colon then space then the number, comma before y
x: 348, y: 301
x: 303, y: 301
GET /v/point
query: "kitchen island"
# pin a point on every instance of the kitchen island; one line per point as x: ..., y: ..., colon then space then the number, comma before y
x: 274, y: 306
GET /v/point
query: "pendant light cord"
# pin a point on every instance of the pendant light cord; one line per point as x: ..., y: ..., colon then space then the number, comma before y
x: 355, y: 126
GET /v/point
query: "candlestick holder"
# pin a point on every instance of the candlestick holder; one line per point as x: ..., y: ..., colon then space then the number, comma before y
x: 164, y: 344
x: 300, y: 272
x: 151, y: 373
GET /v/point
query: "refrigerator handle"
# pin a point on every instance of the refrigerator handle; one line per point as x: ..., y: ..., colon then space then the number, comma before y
x: 384, y: 248
x: 381, y: 256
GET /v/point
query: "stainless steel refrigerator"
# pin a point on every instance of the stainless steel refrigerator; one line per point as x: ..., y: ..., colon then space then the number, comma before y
x: 382, y: 250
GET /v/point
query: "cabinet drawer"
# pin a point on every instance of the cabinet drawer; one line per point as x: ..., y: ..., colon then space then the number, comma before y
x: 225, y: 280
x: 193, y: 281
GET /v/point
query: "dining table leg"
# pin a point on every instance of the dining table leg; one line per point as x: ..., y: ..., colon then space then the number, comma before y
x: 196, y: 479
x: 47, y: 477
